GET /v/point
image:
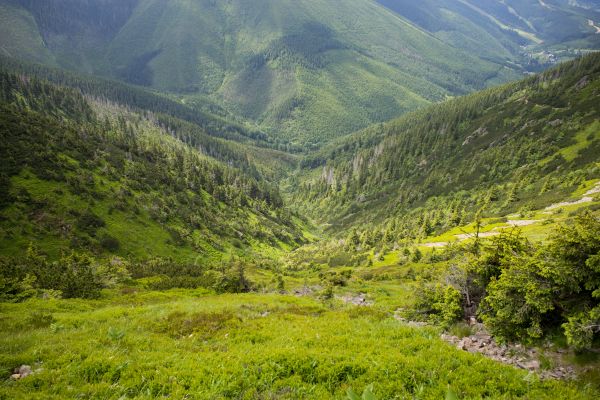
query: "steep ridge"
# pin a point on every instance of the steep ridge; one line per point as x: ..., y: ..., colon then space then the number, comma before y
x: 214, y: 120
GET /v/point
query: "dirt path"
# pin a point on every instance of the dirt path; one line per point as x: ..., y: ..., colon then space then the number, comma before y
x: 435, y: 244
x: 465, y: 236
x: 587, y: 198
x: 522, y: 222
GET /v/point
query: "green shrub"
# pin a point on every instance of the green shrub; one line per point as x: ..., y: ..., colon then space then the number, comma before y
x: 40, y: 319
x: 336, y: 277
x: 110, y: 243
x: 202, y: 324
x: 440, y: 303
x: 90, y: 222
x: 558, y: 285
x: 16, y: 289
x: 74, y: 275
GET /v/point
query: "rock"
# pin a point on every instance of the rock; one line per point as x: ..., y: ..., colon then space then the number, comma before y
x: 417, y: 324
x: 583, y: 82
x: 555, y: 123
x: 449, y: 338
x: 532, y: 365
x: 465, y: 344
x: 304, y: 291
x: 22, y: 372
x: 516, y: 355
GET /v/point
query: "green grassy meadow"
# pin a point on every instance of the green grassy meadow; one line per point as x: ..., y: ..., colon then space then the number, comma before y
x: 195, y: 345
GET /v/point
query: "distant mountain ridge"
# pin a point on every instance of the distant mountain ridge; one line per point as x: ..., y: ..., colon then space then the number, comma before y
x: 513, y: 28
x: 306, y: 70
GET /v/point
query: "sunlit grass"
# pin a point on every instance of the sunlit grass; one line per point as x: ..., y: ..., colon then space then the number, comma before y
x: 241, y: 346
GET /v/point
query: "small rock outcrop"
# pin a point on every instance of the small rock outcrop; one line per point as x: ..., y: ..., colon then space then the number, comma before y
x: 21, y: 372
x: 583, y: 82
x: 512, y: 354
x: 358, y: 300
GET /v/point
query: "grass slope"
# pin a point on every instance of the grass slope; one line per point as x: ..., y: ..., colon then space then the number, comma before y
x: 193, y: 345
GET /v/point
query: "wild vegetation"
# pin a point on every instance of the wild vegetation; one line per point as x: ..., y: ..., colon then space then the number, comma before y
x: 79, y: 173
x: 151, y: 247
x: 508, y: 149
x: 306, y: 71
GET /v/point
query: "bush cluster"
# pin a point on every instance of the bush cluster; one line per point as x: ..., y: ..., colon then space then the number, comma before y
x: 78, y: 275
x: 523, y: 291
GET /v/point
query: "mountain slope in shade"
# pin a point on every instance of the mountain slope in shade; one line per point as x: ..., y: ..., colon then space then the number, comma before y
x: 307, y: 70
x: 517, y: 30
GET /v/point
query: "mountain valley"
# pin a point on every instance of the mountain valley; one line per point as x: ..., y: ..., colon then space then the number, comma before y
x: 224, y: 199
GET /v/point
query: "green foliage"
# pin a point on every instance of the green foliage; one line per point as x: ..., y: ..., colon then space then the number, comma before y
x: 23, y: 277
x: 134, y: 199
x: 187, y: 344
x: 97, y: 172
x: 203, y: 325
x: 518, y: 300
x: 367, y: 394
x: 336, y: 277
x: 39, y: 319
x: 430, y: 171
x: 582, y: 328
x: 558, y: 284
x: 15, y: 288
x: 440, y: 304
x: 496, y: 255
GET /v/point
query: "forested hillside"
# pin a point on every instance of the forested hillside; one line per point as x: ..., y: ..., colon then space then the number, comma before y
x: 299, y: 199
x: 304, y: 70
x: 518, y: 146
x: 84, y: 173
x: 139, y: 249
